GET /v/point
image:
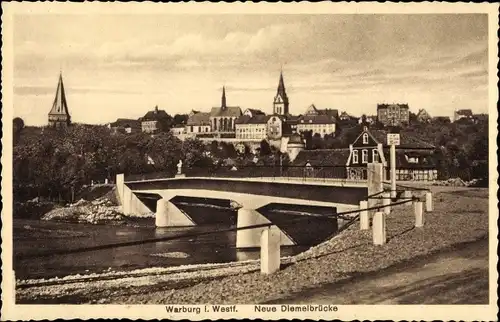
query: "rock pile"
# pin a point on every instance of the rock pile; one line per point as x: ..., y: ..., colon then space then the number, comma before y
x: 94, y: 212
x: 456, y: 182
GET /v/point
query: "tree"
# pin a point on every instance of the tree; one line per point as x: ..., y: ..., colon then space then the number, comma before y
x: 17, y: 127
x: 193, y: 154
x: 180, y: 119
x: 265, y: 149
x: 317, y: 142
x: 18, y: 124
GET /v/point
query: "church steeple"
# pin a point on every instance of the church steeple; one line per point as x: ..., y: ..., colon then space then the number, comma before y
x: 59, y: 114
x: 223, y: 99
x: 280, y: 105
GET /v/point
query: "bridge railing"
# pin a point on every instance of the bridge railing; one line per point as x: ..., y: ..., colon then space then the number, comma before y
x: 291, y: 173
x: 294, y: 173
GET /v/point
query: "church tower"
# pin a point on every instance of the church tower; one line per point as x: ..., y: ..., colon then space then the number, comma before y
x: 59, y: 114
x: 280, y: 105
x: 223, y: 99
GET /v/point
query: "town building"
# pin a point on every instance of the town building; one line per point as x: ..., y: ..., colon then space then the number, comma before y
x: 346, y: 117
x: 59, y: 114
x: 260, y: 127
x: 155, y: 121
x: 415, y: 158
x: 463, y: 114
x: 222, y: 119
x: 178, y: 131
x: 393, y: 114
x: 312, y: 110
x: 366, y: 120
x: 252, y: 128
x: 281, y: 103
x: 292, y: 122
x: 423, y: 116
x: 198, y: 122
x: 321, y: 124
x: 127, y: 126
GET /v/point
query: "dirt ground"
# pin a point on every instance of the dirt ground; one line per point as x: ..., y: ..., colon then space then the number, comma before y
x: 455, y: 276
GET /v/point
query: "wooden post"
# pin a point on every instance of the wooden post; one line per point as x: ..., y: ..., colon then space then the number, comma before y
x: 428, y: 201
x: 270, y: 250
x: 386, y: 201
x: 375, y: 181
x: 379, y: 233
x: 419, y: 213
x: 364, y: 217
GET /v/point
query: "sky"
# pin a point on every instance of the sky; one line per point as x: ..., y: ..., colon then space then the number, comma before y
x: 124, y: 65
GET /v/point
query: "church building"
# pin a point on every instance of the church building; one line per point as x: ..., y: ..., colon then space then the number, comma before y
x: 280, y: 105
x: 59, y: 114
x: 222, y: 119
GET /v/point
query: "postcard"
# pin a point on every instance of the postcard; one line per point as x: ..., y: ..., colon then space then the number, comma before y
x: 249, y: 160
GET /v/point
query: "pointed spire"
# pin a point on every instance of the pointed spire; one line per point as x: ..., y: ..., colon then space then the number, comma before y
x: 281, y: 85
x: 59, y: 111
x: 223, y: 99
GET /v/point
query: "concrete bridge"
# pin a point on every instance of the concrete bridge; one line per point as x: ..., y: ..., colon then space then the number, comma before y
x: 257, y: 200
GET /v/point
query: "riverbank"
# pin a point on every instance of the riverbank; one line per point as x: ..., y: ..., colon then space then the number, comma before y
x: 460, y: 215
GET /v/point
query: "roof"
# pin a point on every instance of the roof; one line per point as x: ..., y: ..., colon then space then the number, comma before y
x: 125, y: 122
x: 231, y: 111
x: 255, y: 111
x: 316, y: 119
x: 155, y: 115
x: 379, y: 106
x: 345, y: 115
x: 466, y: 112
x: 324, y: 157
x: 401, y: 162
x: 199, y: 118
x: 326, y: 111
x: 60, y: 106
x: 406, y: 140
x: 295, y: 139
x: 291, y: 119
x: 281, y: 89
x: 257, y: 119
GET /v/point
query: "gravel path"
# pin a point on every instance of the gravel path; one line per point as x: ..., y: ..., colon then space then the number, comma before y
x: 460, y: 215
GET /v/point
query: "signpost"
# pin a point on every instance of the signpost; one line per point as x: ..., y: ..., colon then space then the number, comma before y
x: 393, y: 139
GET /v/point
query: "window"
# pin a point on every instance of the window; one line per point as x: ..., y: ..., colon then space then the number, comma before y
x: 375, y: 155
x: 365, y: 138
x: 364, y: 156
x: 355, y: 156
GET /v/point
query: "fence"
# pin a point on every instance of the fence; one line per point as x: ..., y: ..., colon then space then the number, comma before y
x: 324, y: 173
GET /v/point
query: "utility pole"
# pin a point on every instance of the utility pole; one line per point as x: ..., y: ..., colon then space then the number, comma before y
x: 393, y: 139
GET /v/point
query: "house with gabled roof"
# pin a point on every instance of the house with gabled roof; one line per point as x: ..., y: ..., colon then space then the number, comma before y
x: 415, y: 158
x: 155, y: 121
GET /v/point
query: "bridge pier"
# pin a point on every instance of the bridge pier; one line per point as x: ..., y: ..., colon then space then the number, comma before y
x: 251, y: 238
x: 168, y: 215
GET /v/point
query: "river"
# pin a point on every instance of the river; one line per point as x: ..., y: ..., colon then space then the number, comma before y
x: 36, y: 236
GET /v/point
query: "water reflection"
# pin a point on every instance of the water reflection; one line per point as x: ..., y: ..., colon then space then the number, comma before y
x: 34, y: 237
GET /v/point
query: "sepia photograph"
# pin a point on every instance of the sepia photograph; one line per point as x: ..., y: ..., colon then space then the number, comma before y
x: 217, y: 161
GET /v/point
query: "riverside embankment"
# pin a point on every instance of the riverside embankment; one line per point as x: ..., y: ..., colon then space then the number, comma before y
x: 460, y: 215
